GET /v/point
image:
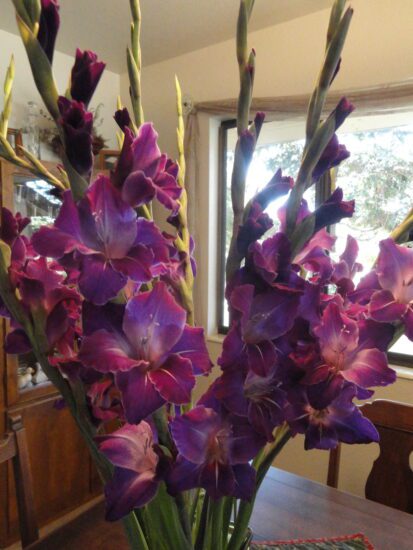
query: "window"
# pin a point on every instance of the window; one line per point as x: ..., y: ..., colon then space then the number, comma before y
x: 378, y: 174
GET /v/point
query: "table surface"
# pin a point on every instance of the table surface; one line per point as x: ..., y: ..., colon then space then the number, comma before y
x: 287, y: 507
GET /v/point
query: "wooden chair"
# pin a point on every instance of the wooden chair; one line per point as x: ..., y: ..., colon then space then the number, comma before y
x: 391, y: 478
x: 14, y: 447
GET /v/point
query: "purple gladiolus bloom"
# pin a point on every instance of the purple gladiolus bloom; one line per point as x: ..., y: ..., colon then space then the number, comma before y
x: 256, y: 396
x: 152, y: 175
x: 265, y: 316
x: 43, y: 292
x: 395, y: 275
x: 10, y: 232
x: 153, y: 356
x: 135, y: 480
x: 214, y: 453
x: 86, y: 74
x: 77, y: 124
x: 104, y: 236
x: 345, y: 355
x: 48, y: 26
x: 327, y: 415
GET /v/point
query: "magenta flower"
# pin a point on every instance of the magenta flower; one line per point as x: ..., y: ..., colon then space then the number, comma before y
x: 104, y: 401
x: 77, y: 125
x: 106, y: 238
x: 153, y: 355
x: 86, y: 73
x: 214, y: 453
x: 346, y: 354
x: 135, y: 480
x: 327, y: 415
x: 48, y: 26
x: 347, y: 267
x: 43, y: 294
x: 151, y: 174
x: 10, y: 232
x: 395, y: 276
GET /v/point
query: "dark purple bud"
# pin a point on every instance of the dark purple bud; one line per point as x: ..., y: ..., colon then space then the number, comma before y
x: 332, y: 156
x: 77, y: 124
x: 254, y: 227
x: 122, y: 118
x: 124, y: 165
x: 342, y: 111
x: 333, y: 210
x: 258, y: 122
x: 247, y: 145
x: 48, y: 26
x: 86, y: 74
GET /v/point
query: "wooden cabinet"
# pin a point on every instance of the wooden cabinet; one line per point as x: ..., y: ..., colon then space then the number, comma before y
x: 63, y: 474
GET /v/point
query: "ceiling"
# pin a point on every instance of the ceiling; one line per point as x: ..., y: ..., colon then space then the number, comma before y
x: 170, y: 27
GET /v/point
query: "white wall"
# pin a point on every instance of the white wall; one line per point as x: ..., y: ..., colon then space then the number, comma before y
x: 379, y: 50
x: 24, y: 89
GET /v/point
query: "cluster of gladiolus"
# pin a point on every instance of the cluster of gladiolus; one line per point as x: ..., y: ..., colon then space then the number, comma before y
x: 303, y: 344
x: 101, y: 297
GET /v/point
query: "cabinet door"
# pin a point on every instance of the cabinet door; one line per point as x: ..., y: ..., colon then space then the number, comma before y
x: 59, y: 461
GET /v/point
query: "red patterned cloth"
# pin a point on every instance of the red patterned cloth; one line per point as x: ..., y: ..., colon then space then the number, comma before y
x: 348, y: 542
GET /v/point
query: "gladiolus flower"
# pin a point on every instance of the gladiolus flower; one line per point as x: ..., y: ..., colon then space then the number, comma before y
x: 214, y: 453
x: 153, y: 355
x: 135, y: 480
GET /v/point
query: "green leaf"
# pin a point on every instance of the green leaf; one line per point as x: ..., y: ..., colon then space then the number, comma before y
x: 5, y: 254
x: 41, y: 68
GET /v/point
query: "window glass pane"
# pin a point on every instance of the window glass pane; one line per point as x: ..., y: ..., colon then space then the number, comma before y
x: 378, y: 175
x: 266, y: 161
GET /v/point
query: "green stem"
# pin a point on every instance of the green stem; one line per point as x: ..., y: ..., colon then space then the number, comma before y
x: 134, y: 533
x: 246, y: 508
x: 216, y: 524
x: 202, y: 527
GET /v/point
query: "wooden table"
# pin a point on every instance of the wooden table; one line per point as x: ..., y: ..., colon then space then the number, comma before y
x: 288, y: 506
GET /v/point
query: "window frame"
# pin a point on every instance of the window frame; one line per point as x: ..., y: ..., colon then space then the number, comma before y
x: 322, y: 192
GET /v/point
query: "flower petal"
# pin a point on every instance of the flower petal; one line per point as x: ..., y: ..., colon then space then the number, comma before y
x: 98, y: 281
x: 192, y: 346
x: 139, y: 396
x: 127, y: 491
x: 106, y: 352
x: 174, y: 380
x: 154, y: 322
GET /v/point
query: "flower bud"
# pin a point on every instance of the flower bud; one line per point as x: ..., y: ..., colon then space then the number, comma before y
x: 77, y: 124
x: 49, y: 26
x: 86, y: 74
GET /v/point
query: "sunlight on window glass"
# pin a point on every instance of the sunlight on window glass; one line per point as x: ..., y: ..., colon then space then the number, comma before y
x: 378, y: 175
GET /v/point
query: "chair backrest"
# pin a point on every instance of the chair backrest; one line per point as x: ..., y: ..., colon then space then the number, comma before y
x: 14, y: 447
x: 391, y: 478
